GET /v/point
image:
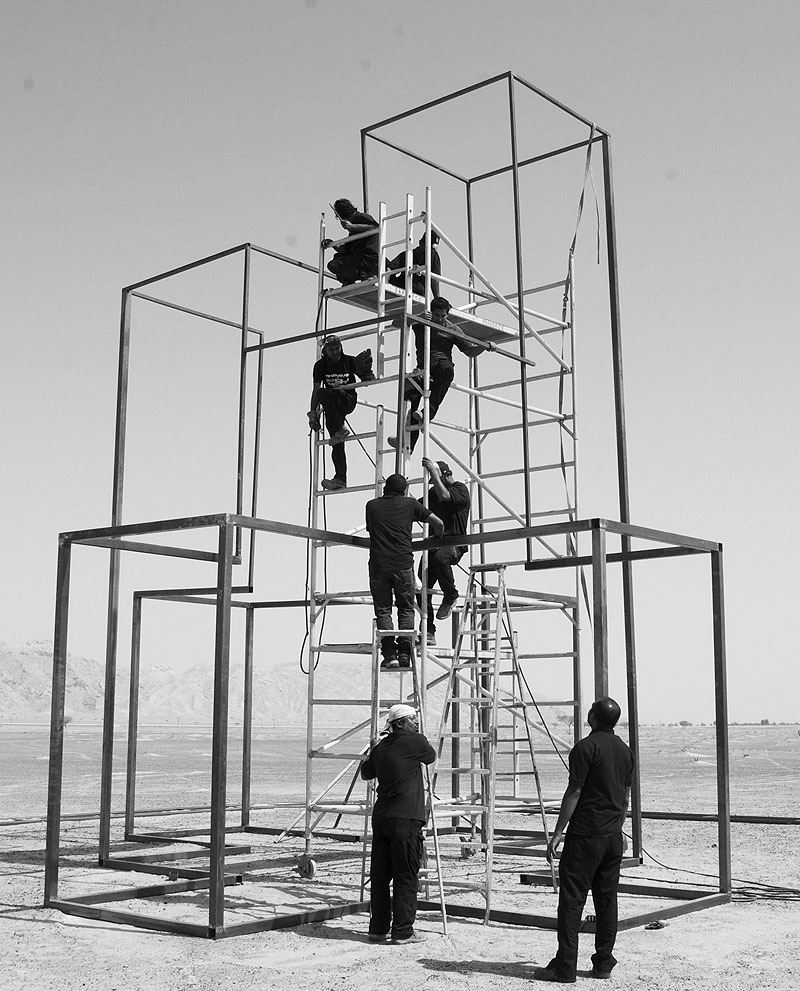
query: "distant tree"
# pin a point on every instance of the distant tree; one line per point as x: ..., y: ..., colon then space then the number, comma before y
x: 567, y: 718
x: 765, y: 722
x: 684, y: 722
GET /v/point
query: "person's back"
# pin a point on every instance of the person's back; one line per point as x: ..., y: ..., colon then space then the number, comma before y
x: 604, y: 763
x: 395, y: 762
x: 389, y: 520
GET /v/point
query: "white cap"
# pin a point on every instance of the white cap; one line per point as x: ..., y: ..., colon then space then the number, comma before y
x: 399, y: 711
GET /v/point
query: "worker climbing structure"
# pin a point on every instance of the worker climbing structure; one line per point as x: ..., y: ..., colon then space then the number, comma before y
x: 498, y: 227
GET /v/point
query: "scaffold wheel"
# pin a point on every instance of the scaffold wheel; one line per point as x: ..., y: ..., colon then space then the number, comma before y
x: 306, y: 866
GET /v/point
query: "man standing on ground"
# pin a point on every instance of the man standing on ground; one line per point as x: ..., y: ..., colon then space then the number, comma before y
x: 451, y: 502
x: 356, y: 260
x: 595, y: 805
x: 332, y: 371
x: 398, y: 819
x: 391, y: 564
x: 442, y: 368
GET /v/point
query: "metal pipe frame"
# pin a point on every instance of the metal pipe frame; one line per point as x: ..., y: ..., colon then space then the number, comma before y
x: 215, y: 879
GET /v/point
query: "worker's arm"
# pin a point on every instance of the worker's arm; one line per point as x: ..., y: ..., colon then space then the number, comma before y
x: 439, y: 487
x: 568, y: 805
x: 436, y: 525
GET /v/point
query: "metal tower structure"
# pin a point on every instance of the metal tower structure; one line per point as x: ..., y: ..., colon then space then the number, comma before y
x: 532, y: 537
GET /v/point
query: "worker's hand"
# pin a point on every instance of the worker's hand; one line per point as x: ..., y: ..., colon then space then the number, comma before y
x: 427, y: 315
x: 438, y: 528
x: 552, y: 846
x: 326, y: 242
x: 313, y: 420
x: 433, y: 468
x: 347, y: 225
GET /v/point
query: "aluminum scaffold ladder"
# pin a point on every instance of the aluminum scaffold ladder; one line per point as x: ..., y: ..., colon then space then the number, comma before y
x: 484, y: 700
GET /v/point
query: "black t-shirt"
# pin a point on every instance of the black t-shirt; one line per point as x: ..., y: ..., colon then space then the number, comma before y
x: 395, y: 762
x: 442, y: 344
x: 366, y: 247
x: 453, y: 512
x: 601, y: 765
x: 335, y: 376
x: 389, y: 520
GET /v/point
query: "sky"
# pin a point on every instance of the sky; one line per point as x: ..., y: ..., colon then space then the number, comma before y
x: 140, y: 137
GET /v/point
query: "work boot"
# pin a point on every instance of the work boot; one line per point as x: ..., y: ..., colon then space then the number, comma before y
x: 340, y: 435
x: 389, y: 664
x: 332, y: 484
x: 444, y: 610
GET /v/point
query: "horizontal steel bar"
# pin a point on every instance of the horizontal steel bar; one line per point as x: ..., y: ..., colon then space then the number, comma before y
x: 237, y: 325
x: 290, y: 921
x: 131, y: 545
x: 615, y: 558
x: 156, y: 923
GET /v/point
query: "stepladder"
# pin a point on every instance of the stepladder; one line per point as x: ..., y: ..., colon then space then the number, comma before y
x: 485, y: 742
x: 404, y: 683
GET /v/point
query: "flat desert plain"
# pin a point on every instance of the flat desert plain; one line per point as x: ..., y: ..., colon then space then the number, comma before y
x: 751, y: 943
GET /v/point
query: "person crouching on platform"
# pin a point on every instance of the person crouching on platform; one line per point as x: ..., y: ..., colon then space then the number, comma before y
x: 398, y: 821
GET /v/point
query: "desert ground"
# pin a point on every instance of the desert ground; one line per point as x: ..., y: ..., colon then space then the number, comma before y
x: 753, y: 942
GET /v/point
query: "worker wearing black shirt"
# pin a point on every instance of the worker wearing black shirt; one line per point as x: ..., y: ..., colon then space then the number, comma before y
x: 441, y: 368
x: 417, y: 261
x: 451, y: 502
x: 356, y: 260
x: 398, y: 819
x: 595, y: 804
x: 391, y: 563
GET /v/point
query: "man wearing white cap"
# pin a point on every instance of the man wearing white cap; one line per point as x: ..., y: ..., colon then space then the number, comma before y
x: 398, y: 819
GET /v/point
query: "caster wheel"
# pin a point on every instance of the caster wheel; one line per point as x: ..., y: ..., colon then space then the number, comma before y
x: 467, y: 850
x: 306, y: 867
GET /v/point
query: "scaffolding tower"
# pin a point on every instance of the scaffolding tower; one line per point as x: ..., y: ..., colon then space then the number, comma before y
x: 531, y: 536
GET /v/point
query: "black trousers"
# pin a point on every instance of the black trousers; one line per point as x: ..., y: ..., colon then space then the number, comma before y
x: 440, y: 569
x: 337, y: 404
x: 386, y: 586
x: 395, y: 860
x: 587, y: 863
x: 441, y: 378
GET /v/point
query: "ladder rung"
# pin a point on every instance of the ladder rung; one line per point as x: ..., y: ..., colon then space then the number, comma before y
x: 357, y: 808
x: 450, y: 807
x: 338, y: 756
x: 463, y: 770
x: 515, y: 774
x: 462, y: 736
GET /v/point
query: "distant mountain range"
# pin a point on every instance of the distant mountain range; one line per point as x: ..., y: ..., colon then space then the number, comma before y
x: 170, y: 697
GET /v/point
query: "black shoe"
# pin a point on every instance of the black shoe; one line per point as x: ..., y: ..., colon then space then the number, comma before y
x: 403, y: 661
x: 601, y: 975
x: 332, y: 484
x: 389, y: 664
x: 378, y: 937
x: 444, y: 610
x: 545, y: 974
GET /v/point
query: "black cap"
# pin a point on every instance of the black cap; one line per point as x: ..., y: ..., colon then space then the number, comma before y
x: 395, y: 485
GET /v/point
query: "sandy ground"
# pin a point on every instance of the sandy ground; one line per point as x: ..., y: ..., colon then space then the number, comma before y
x: 751, y: 943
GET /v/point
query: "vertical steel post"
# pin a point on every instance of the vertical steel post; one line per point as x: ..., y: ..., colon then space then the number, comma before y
x: 56, y: 765
x: 256, y: 460
x: 219, y: 741
x: 622, y: 478
x: 242, y: 398
x: 364, y: 176
x: 112, y: 618
x: 600, y: 610
x: 247, y: 718
x: 133, y: 716
x: 523, y: 380
x: 721, y: 723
